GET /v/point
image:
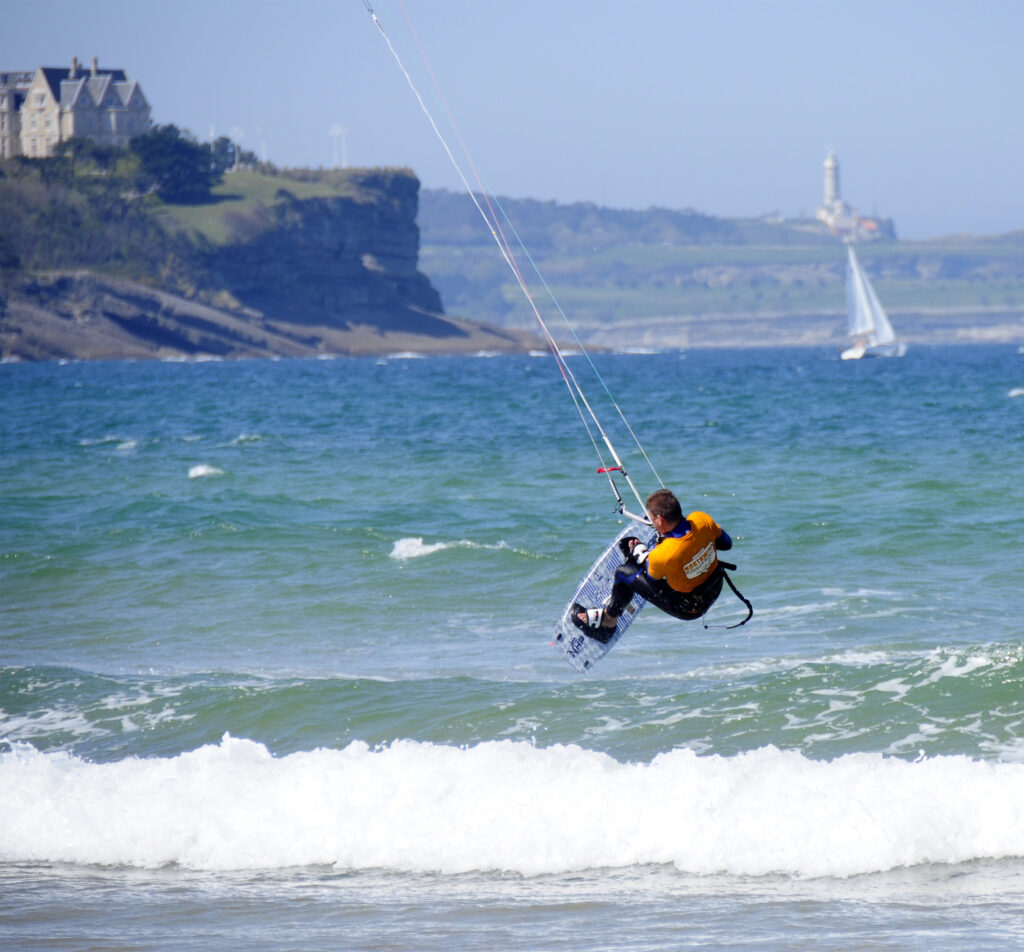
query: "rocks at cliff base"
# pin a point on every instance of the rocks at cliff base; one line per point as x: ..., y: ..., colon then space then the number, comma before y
x: 84, y: 316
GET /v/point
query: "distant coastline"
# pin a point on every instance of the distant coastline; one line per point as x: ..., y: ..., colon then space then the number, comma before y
x: 84, y: 316
x: 680, y: 278
x: 951, y: 327
x: 360, y: 262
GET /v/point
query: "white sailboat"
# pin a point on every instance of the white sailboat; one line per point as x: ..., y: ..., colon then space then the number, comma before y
x: 870, y: 330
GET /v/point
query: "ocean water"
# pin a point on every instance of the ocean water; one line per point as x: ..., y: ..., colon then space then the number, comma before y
x: 276, y: 666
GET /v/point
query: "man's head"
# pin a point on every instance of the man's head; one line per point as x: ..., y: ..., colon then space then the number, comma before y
x: 663, y: 504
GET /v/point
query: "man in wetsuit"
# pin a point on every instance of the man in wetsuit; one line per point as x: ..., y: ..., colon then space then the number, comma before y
x: 680, y: 575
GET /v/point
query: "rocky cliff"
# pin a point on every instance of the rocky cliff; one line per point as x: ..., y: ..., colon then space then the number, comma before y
x: 295, y: 276
x: 338, y: 262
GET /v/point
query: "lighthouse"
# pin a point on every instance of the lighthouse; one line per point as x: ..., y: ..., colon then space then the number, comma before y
x: 831, y: 179
x: 842, y: 219
x: 833, y: 211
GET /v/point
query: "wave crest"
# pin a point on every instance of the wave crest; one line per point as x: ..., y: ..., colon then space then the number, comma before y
x: 508, y: 805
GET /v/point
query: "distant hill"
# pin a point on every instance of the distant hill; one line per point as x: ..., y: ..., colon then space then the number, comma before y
x: 675, y: 278
x: 451, y: 218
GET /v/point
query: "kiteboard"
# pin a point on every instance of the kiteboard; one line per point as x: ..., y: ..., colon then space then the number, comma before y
x: 583, y: 650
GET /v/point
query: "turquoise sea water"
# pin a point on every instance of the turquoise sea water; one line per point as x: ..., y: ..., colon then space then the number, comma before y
x: 275, y: 661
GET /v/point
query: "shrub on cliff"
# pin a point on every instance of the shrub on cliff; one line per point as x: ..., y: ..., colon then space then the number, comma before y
x: 176, y: 164
x: 67, y: 213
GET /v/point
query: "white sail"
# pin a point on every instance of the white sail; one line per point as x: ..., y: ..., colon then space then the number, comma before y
x: 858, y: 304
x: 869, y: 325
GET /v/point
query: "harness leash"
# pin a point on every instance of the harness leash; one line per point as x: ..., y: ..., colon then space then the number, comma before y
x: 750, y: 608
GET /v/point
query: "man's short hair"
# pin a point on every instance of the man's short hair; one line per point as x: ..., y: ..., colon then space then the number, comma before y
x: 663, y: 502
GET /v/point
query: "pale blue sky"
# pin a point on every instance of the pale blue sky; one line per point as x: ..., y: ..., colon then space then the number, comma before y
x: 725, y: 106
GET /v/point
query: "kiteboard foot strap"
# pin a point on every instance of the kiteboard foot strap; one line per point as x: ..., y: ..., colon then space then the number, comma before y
x: 594, y: 625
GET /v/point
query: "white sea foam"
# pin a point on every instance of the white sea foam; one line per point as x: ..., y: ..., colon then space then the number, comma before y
x: 414, y: 548
x: 506, y: 805
x: 204, y: 469
x: 100, y: 441
x: 769, y: 665
x: 1016, y: 392
x: 46, y: 723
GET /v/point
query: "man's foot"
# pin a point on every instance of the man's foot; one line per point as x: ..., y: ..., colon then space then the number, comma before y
x: 626, y: 545
x: 596, y: 622
x: 634, y: 550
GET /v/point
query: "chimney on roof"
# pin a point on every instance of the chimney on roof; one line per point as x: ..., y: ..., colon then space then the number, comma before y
x: 95, y: 66
x: 74, y: 68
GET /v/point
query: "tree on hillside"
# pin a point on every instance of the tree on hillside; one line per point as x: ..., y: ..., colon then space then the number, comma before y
x: 85, y: 155
x: 177, y: 164
x: 222, y: 152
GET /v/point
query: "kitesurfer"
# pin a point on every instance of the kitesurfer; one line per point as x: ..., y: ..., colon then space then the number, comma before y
x: 680, y: 575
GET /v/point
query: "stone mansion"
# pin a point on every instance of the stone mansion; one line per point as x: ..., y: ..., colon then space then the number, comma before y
x: 40, y: 109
